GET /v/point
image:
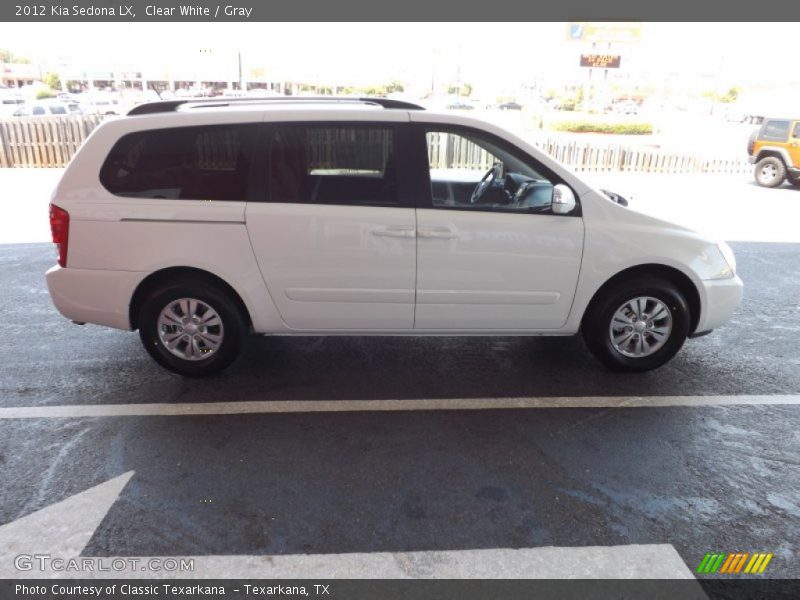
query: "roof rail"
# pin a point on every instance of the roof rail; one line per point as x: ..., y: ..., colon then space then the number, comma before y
x: 162, y: 106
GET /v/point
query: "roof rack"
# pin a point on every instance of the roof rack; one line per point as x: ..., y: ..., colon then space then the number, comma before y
x: 172, y: 105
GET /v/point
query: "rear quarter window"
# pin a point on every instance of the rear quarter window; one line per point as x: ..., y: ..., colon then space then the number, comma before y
x: 776, y: 131
x: 194, y: 163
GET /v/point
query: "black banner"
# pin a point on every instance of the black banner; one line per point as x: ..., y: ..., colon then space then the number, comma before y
x: 369, y: 10
x: 373, y: 589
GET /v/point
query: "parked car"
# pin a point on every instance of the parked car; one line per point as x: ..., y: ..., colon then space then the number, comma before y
x: 43, y: 108
x: 460, y: 106
x: 774, y: 149
x: 101, y: 106
x: 197, y: 223
x: 626, y: 108
x: 510, y: 106
x: 9, y: 102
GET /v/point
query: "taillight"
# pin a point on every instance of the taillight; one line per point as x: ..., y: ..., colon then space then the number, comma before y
x: 59, y: 227
x: 751, y: 142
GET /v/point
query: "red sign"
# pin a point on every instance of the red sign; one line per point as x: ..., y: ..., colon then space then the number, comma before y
x: 601, y: 61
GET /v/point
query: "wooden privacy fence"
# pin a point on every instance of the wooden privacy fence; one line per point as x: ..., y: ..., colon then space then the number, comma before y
x: 51, y: 142
x: 589, y: 156
x: 43, y: 142
x: 450, y: 151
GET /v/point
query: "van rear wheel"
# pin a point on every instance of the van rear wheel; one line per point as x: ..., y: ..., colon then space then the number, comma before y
x: 637, y: 325
x: 191, y: 328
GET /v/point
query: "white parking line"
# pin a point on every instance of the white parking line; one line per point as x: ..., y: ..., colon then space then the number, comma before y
x: 43, y: 543
x: 311, y: 406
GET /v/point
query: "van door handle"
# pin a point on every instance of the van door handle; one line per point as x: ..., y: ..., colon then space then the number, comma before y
x: 437, y: 233
x: 395, y: 232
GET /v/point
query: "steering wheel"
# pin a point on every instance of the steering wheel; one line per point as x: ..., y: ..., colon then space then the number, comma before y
x: 486, y: 182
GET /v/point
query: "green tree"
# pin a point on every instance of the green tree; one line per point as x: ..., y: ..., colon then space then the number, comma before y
x: 395, y: 86
x: 731, y: 95
x: 6, y: 56
x: 579, y: 95
x: 464, y: 89
x: 727, y: 97
x: 374, y: 90
x: 52, y: 80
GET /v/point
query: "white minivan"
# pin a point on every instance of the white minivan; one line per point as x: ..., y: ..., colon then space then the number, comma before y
x: 198, y: 222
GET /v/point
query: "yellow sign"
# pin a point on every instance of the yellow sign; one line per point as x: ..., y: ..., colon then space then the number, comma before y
x: 605, y: 33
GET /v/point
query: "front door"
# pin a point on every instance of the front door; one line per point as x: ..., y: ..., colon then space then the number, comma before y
x: 491, y: 255
x: 794, y: 145
x: 335, y: 243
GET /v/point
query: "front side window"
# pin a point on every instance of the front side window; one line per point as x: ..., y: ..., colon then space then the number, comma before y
x: 336, y: 164
x: 796, y: 133
x: 197, y: 163
x: 470, y: 171
x: 776, y: 131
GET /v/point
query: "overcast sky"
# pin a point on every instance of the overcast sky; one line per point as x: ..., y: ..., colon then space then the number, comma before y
x: 356, y: 53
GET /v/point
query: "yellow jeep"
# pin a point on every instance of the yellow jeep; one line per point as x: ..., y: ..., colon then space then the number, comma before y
x: 775, y: 151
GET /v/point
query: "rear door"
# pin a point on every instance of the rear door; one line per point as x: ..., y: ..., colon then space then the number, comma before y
x: 335, y: 238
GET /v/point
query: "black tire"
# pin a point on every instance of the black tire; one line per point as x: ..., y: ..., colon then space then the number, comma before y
x: 770, y: 172
x: 232, y: 329
x: 598, y: 319
x: 794, y: 180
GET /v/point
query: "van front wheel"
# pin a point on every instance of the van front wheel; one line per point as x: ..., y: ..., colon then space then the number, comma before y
x: 637, y: 325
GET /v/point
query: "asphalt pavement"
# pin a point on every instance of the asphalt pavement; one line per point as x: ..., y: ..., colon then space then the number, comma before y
x: 696, y: 477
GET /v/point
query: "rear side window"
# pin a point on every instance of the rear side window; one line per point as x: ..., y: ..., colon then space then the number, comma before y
x: 337, y: 164
x: 777, y: 131
x: 195, y: 163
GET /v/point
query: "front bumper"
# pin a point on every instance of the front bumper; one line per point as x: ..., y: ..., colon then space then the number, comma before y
x: 93, y: 296
x: 721, y: 298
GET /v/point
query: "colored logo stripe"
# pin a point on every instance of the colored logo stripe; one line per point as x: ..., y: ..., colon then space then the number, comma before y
x: 758, y: 563
x: 734, y: 563
x: 710, y: 563
x: 704, y: 563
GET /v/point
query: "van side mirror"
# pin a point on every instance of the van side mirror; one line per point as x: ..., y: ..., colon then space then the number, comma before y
x: 563, y: 199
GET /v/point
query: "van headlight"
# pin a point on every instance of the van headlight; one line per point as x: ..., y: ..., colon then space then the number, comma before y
x: 727, y: 254
x: 720, y: 264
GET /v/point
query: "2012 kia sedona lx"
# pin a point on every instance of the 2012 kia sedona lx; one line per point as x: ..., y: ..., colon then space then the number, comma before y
x: 198, y: 222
